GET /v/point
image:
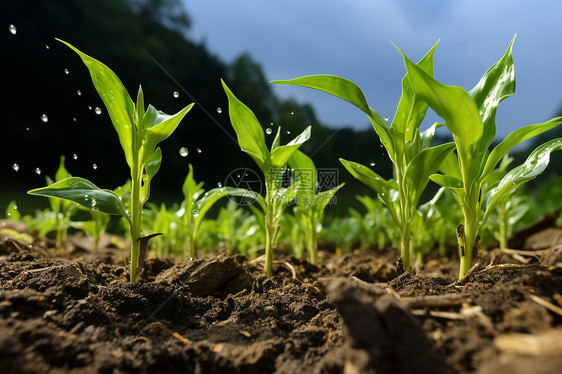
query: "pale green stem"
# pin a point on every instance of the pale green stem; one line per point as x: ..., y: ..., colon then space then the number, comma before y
x: 470, y: 234
x: 135, y: 225
x: 268, y: 245
x: 405, y: 246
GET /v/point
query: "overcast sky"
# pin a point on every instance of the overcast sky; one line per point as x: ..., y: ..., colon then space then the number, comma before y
x: 350, y: 38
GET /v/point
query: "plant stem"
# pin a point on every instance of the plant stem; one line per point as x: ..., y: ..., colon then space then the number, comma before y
x: 405, y: 246
x: 470, y: 233
x: 268, y: 245
x: 136, y: 217
x: 313, y: 245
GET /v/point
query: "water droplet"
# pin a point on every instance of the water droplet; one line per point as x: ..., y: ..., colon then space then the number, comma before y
x: 27, y: 129
x: 195, y: 213
x: 44, y: 118
x: 74, y: 119
x: 37, y: 171
x: 198, y: 150
x: 79, y: 92
x: 16, y: 167
x: 97, y: 110
x: 75, y: 156
x: 372, y: 163
x: 46, y: 46
x: 386, y: 119
x: 288, y: 132
x: 94, y: 202
x: 95, y: 166
x: 12, y: 29
x: 183, y: 152
x: 66, y: 71
x: 90, y: 107
x: 219, y: 184
x: 191, y: 259
x: 176, y: 94
x: 219, y: 110
x: 268, y: 131
x: 292, y: 113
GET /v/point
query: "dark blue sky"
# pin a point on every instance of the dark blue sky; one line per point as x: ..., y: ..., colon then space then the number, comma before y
x: 350, y: 38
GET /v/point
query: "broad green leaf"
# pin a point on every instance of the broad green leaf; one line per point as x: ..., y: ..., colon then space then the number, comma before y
x: 248, y: 130
x: 374, y: 182
x: 280, y: 155
x: 350, y: 92
x: 158, y: 126
x: 411, y: 112
x: 322, y: 199
x: 516, y: 137
x: 450, y: 166
x: 497, y: 84
x: 304, y: 170
x: 427, y: 137
x: 205, y: 203
x: 277, y: 140
x: 423, y: 165
x: 117, y: 101
x: 452, y: 103
x: 337, y: 86
x: 535, y: 164
x: 447, y: 181
x: 85, y: 193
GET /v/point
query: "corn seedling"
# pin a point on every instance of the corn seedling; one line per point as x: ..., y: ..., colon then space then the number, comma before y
x: 311, y: 203
x: 140, y: 130
x: 470, y: 116
x: 272, y: 163
x: 410, y: 151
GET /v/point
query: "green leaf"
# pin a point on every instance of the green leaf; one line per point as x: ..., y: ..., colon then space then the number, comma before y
x: 151, y: 168
x: 447, y: 181
x: 205, y: 203
x: 423, y: 165
x: 337, y: 86
x: 411, y: 111
x: 322, y: 199
x: 85, y: 193
x: 248, y: 130
x: 516, y: 137
x: 374, y: 182
x: 535, y: 164
x: 117, y: 101
x: 280, y: 155
x: 497, y: 84
x: 304, y: 170
x: 158, y: 126
x: 246, y: 194
x: 452, y: 103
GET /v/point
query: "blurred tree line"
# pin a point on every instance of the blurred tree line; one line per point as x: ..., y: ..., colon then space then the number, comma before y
x: 143, y: 42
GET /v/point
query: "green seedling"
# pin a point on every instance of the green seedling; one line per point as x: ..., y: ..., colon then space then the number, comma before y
x: 470, y: 116
x: 272, y: 163
x: 140, y: 130
x: 195, y: 206
x: 63, y: 209
x: 311, y: 203
x: 426, y: 217
x: 410, y: 151
x: 96, y: 227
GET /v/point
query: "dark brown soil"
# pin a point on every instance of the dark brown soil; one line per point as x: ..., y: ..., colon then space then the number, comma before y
x: 352, y: 313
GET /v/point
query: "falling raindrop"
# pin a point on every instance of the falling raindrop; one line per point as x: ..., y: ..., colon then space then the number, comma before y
x: 176, y: 94
x: 195, y: 212
x: 12, y: 29
x: 292, y: 113
x: 183, y: 152
x: 75, y: 156
x: 94, y: 202
x: 386, y: 119
x: 79, y: 92
x: 97, y: 110
x: 37, y: 171
x: 46, y: 46
x: 74, y: 119
x: 16, y: 167
x: 219, y: 184
x: 27, y: 129
x: 44, y: 118
x: 95, y: 166
x: 15, y: 207
x: 288, y: 132
x: 66, y: 71
x: 268, y: 131
x: 372, y: 163
x: 219, y: 110
x: 90, y: 107
x: 198, y: 150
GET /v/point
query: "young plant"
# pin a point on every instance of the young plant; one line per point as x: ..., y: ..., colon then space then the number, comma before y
x: 63, y: 209
x: 470, y: 116
x: 272, y: 163
x: 311, y: 203
x: 410, y: 151
x: 140, y: 130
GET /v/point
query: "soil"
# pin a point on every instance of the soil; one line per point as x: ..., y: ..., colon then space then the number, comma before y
x: 75, y: 312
